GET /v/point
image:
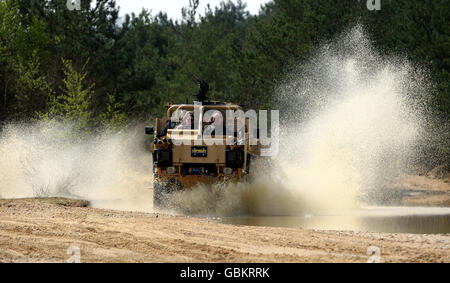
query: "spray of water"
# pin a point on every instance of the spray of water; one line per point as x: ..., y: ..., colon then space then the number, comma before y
x: 350, y: 123
x: 42, y: 160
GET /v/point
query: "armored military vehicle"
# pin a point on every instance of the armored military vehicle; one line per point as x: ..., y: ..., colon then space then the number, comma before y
x: 203, y: 142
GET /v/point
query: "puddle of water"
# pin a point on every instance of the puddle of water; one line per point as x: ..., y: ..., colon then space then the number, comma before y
x: 416, y: 220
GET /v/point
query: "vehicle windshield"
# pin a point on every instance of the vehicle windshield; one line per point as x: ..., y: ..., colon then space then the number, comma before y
x: 211, y: 121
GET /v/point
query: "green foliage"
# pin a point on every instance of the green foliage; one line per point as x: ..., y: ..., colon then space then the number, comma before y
x: 137, y: 65
x: 113, y: 119
x: 71, y: 107
x: 32, y: 87
x: 23, y: 84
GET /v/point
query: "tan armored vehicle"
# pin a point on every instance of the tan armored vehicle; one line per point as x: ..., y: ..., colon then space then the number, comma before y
x: 203, y: 142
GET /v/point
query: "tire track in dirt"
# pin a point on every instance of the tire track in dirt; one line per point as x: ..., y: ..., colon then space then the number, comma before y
x: 41, y: 230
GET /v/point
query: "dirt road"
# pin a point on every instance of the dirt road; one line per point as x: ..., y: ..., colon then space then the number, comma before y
x: 41, y: 230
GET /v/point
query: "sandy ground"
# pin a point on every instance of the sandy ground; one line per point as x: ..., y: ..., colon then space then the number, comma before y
x: 41, y: 230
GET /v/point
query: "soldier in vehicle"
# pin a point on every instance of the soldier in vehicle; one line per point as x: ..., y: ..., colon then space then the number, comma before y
x: 172, y: 123
x: 215, y: 123
x: 187, y: 123
x: 169, y: 125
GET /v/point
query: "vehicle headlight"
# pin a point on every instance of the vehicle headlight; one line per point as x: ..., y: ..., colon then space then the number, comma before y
x: 227, y: 171
x: 171, y: 170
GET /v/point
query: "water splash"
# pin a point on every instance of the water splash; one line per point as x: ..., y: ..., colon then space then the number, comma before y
x: 41, y: 160
x: 351, y: 122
